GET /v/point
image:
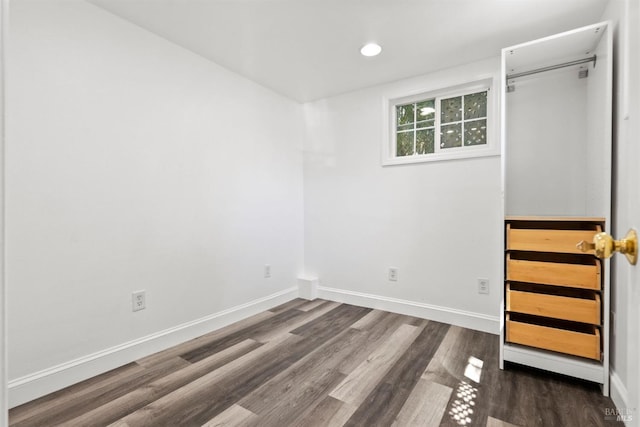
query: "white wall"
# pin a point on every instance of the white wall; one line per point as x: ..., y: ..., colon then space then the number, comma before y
x: 438, y: 222
x: 546, y: 134
x: 135, y: 164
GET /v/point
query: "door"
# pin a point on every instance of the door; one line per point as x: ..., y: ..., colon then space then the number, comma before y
x: 634, y: 206
x: 628, y: 205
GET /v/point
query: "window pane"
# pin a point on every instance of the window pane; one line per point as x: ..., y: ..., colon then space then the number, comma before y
x: 405, y: 127
x: 426, y: 110
x: 451, y: 110
x: 451, y: 136
x: 404, y: 113
x: 425, y: 124
x: 475, y: 105
x: 424, y: 141
x: 404, y: 141
x: 475, y: 132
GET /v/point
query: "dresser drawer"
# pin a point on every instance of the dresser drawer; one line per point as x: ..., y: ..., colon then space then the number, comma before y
x: 585, y: 343
x: 584, y: 276
x: 537, y: 240
x: 581, y: 306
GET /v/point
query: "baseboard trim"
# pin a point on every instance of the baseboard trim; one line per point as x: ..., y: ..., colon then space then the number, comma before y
x: 38, y: 384
x: 466, y: 319
x: 619, y: 395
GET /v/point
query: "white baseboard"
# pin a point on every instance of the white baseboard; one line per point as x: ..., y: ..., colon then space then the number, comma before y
x: 618, y: 393
x: 40, y: 383
x: 466, y: 319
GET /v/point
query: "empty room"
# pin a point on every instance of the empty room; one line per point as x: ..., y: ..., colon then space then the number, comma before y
x: 320, y: 213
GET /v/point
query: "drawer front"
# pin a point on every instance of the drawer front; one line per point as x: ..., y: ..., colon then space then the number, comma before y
x: 560, y: 340
x: 555, y: 306
x: 562, y: 241
x: 554, y: 273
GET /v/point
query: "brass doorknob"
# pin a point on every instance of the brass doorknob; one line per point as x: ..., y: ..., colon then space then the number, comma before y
x: 604, y: 246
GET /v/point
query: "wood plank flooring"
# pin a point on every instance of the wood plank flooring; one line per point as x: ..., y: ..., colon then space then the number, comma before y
x: 321, y: 363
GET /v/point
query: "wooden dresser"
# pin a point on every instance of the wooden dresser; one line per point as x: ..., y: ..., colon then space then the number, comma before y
x: 553, y: 291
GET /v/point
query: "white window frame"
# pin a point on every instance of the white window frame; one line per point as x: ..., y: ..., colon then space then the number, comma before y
x: 389, y: 146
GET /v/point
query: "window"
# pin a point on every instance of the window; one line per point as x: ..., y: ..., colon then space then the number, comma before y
x: 439, y: 126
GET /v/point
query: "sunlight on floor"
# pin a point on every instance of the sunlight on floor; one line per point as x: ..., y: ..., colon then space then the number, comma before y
x: 474, y: 369
x: 462, y: 408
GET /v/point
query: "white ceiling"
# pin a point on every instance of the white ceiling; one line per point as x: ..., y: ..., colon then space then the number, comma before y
x: 580, y: 44
x: 309, y: 49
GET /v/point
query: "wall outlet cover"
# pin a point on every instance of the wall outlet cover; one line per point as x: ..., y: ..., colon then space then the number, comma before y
x: 139, y: 300
x: 483, y: 286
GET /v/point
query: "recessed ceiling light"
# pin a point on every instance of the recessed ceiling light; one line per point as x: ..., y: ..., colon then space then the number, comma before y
x: 371, y: 49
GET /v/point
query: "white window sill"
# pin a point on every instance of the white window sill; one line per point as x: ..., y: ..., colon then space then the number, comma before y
x: 439, y: 157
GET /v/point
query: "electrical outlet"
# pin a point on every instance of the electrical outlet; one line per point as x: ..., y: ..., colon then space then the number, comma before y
x: 139, y: 300
x: 393, y: 274
x: 267, y: 271
x: 483, y: 286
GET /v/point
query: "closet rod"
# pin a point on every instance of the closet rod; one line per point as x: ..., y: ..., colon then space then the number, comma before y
x: 552, y: 67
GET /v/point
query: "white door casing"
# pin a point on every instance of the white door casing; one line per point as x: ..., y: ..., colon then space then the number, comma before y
x: 4, y: 7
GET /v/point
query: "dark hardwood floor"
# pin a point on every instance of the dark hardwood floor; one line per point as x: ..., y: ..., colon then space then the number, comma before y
x: 322, y: 363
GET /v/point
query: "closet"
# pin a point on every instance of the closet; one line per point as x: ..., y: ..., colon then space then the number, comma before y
x: 556, y: 168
